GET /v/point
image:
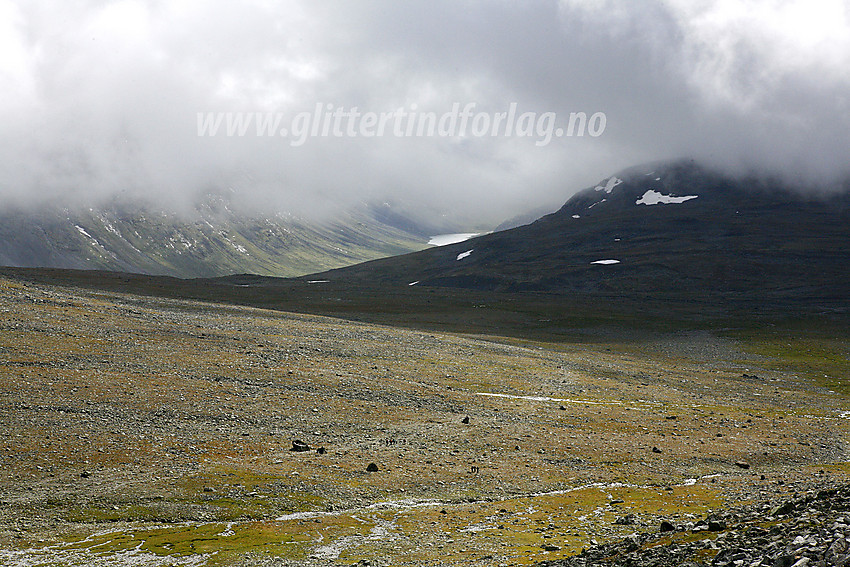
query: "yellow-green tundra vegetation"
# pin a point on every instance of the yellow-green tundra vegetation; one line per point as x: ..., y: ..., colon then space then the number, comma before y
x: 151, y: 431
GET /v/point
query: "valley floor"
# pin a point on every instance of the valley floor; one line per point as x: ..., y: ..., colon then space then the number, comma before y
x: 150, y: 431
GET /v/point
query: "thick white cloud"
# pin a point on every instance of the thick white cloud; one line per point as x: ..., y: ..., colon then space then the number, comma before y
x: 101, y: 98
x: 763, y: 83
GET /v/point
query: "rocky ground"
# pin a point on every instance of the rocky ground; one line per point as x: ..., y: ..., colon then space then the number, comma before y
x: 151, y: 431
x: 811, y: 529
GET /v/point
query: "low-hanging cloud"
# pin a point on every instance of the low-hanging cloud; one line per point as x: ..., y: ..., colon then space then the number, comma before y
x: 101, y: 99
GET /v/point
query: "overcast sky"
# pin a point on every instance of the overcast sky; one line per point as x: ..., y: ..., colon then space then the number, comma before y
x: 101, y: 98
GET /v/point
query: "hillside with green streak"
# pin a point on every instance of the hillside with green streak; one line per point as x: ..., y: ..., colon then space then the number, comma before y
x: 213, y: 240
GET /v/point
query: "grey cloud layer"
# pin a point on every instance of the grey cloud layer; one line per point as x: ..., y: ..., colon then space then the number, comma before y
x: 102, y: 98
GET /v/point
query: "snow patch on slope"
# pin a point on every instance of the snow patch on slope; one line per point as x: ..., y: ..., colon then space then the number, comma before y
x: 655, y: 198
x: 100, y: 247
x: 609, y: 185
x: 84, y: 233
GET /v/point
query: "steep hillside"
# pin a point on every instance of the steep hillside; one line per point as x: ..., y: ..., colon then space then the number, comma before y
x: 213, y: 240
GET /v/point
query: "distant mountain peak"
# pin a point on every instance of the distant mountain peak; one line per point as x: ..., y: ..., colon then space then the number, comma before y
x: 674, y: 231
x: 656, y: 184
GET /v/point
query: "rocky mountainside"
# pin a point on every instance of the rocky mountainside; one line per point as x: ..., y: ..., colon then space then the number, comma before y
x: 674, y: 231
x: 214, y: 239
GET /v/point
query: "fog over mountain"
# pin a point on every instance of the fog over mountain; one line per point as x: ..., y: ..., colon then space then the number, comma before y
x: 103, y: 98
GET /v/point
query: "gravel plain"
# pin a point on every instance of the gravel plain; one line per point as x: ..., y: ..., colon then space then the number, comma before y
x: 149, y: 431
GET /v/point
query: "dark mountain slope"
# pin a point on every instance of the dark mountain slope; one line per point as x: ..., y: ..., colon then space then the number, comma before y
x: 742, y: 253
x: 677, y: 231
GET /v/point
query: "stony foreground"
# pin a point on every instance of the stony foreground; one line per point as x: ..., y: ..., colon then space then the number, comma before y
x: 152, y: 432
x: 812, y: 530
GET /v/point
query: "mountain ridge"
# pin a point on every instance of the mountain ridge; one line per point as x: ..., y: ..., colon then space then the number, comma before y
x: 212, y: 240
x: 676, y: 230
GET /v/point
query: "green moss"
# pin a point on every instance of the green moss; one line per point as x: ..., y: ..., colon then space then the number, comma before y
x: 222, y: 542
x: 818, y: 355
x: 246, y: 494
x: 94, y: 515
